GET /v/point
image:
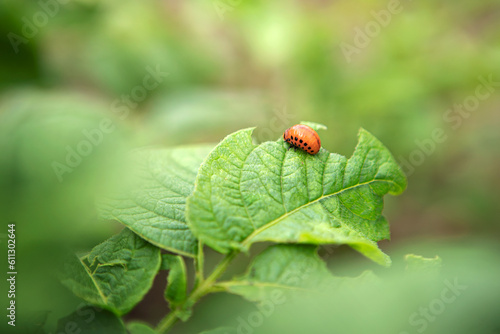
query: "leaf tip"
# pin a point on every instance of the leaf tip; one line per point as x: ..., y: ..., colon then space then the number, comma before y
x: 314, y: 126
x: 400, y: 181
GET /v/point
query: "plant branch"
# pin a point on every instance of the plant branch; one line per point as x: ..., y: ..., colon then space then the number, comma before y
x: 199, y: 265
x: 204, y: 287
x: 167, y: 322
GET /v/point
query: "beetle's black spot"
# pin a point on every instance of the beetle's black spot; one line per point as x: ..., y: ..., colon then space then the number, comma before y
x: 305, y: 144
x: 301, y: 140
x: 309, y: 147
x: 296, y: 138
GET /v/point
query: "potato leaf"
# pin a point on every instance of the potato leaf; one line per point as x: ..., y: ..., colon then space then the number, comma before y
x: 154, y: 208
x: 175, y: 292
x: 116, y: 274
x: 279, y: 269
x: 247, y: 193
x: 140, y: 328
x: 90, y: 320
x: 420, y: 264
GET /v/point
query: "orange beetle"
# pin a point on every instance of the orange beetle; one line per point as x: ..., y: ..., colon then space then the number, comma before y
x: 303, y: 137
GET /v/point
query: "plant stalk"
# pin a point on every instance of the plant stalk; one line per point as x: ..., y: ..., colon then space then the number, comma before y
x: 167, y: 322
x: 199, y: 265
x: 204, y: 287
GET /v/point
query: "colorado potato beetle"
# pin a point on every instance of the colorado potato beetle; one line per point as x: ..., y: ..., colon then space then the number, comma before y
x: 303, y: 137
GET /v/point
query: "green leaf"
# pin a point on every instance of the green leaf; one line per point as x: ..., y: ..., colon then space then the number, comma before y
x: 315, y: 126
x: 140, y: 328
x: 247, y: 193
x: 116, y: 274
x: 175, y: 293
x: 417, y: 263
x: 367, y: 277
x: 155, y: 208
x: 282, y: 268
x: 89, y: 320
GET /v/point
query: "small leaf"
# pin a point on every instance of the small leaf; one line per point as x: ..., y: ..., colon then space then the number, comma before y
x: 115, y: 274
x: 282, y: 268
x: 417, y: 263
x: 154, y: 209
x: 89, y: 320
x: 247, y: 193
x: 175, y: 293
x: 140, y: 328
x: 315, y: 126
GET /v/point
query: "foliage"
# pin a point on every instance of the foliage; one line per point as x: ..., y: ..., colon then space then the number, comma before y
x: 234, y: 64
x: 237, y: 194
x: 116, y: 274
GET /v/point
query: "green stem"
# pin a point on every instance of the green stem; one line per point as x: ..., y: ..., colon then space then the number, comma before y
x: 204, y: 287
x: 167, y: 322
x: 199, y: 265
x: 207, y: 284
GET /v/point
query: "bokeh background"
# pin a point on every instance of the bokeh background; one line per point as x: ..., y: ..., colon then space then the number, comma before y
x: 65, y: 66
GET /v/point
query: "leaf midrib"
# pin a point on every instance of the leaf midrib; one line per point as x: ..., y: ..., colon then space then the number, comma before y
x: 289, y: 213
x: 101, y: 293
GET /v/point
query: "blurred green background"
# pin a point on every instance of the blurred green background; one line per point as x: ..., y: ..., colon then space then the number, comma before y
x: 79, y: 70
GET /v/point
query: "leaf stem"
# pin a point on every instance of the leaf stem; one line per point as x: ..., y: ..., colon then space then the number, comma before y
x: 167, y: 322
x: 199, y: 264
x: 204, y: 287
x: 207, y: 284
